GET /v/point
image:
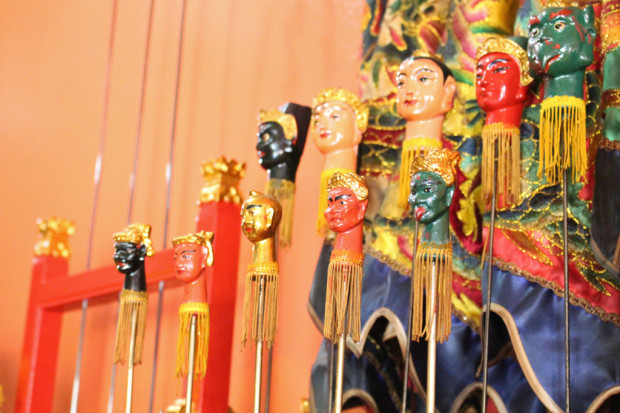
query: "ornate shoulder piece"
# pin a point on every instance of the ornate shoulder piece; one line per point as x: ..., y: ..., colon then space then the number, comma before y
x: 283, y: 119
x: 222, y: 178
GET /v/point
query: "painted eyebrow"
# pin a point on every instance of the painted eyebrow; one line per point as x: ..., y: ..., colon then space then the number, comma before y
x: 343, y: 196
x: 497, y: 61
x: 424, y: 69
x: 563, y: 12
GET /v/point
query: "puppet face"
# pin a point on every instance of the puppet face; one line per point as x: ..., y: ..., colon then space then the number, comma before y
x: 335, y: 127
x: 498, y: 84
x: 256, y: 221
x: 430, y: 198
x: 344, y: 211
x: 272, y: 147
x: 189, y: 261
x: 128, y: 256
x: 422, y: 91
x: 561, y: 40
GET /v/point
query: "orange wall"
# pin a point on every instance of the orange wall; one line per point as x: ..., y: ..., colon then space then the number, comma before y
x: 239, y: 57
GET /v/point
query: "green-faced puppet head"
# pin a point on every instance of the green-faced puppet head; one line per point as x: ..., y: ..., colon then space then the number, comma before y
x: 561, y: 39
x: 433, y: 179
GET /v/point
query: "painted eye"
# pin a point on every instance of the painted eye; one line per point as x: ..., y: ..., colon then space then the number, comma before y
x: 535, y: 32
x: 559, y: 26
x: 265, y: 136
x: 335, y: 116
x: 424, y: 79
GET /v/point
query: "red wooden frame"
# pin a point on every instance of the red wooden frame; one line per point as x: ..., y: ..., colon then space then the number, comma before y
x: 52, y: 290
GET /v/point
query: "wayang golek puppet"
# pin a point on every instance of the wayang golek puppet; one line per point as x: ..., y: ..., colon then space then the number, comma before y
x: 347, y: 201
x: 502, y: 82
x: 433, y: 179
x: 193, y: 253
x: 260, y: 217
x: 339, y: 118
x: 425, y: 92
x: 131, y: 246
x: 281, y: 140
x: 560, y: 47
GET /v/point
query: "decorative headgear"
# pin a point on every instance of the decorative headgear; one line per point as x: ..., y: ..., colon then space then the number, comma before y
x: 360, y: 108
x: 200, y: 238
x: 423, y: 53
x: 137, y: 234
x: 354, y: 182
x: 559, y: 3
x: 442, y: 162
x: 512, y: 48
x: 283, y: 119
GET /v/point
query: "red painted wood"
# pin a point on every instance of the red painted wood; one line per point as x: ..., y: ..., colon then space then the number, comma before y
x: 224, y: 220
x: 52, y: 290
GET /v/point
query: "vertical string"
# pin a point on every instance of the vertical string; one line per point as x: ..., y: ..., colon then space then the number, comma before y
x: 132, y: 178
x: 169, y: 170
x: 97, y: 183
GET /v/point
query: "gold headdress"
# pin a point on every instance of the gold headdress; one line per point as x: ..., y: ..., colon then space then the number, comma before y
x: 201, y: 238
x: 354, y: 182
x: 137, y: 234
x: 285, y: 120
x: 559, y: 3
x: 360, y: 108
x: 442, y: 162
x: 510, y: 47
x: 422, y: 53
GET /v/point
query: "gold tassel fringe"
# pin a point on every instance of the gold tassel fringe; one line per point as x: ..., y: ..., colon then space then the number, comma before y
x: 431, y: 255
x: 502, y: 143
x: 261, y: 327
x: 284, y: 191
x: 186, y: 311
x: 411, y: 148
x: 343, y: 295
x: 321, y: 222
x: 130, y: 301
x: 562, y: 124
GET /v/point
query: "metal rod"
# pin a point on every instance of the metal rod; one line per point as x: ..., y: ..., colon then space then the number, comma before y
x: 134, y: 171
x: 132, y: 355
x: 409, y: 321
x: 192, y: 364
x: 487, y: 308
x: 566, y: 290
x: 330, y: 378
x: 75, y: 391
x: 169, y: 170
x: 340, y: 371
x: 259, y: 345
x: 268, y: 380
x: 432, y: 344
x: 112, y: 389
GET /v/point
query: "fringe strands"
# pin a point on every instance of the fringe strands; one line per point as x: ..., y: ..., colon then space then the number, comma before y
x: 130, y: 301
x: 284, y: 191
x: 438, y: 257
x: 501, y: 143
x: 186, y: 312
x: 411, y: 148
x: 343, y: 295
x: 562, y: 125
x: 260, y: 323
x: 321, y: 222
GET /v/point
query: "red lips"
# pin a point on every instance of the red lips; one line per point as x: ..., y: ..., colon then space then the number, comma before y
x: 419, y: 211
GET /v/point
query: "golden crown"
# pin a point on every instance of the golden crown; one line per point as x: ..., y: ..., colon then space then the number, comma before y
x: 510, y: 47
x: 137, y: 234
x: 560, y: 3
x: 221, y: 178
x: 287, y: 121
x: 360, y: 108
x: 201, y: 238
x: 442, y: 162
x: 354, y: 182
